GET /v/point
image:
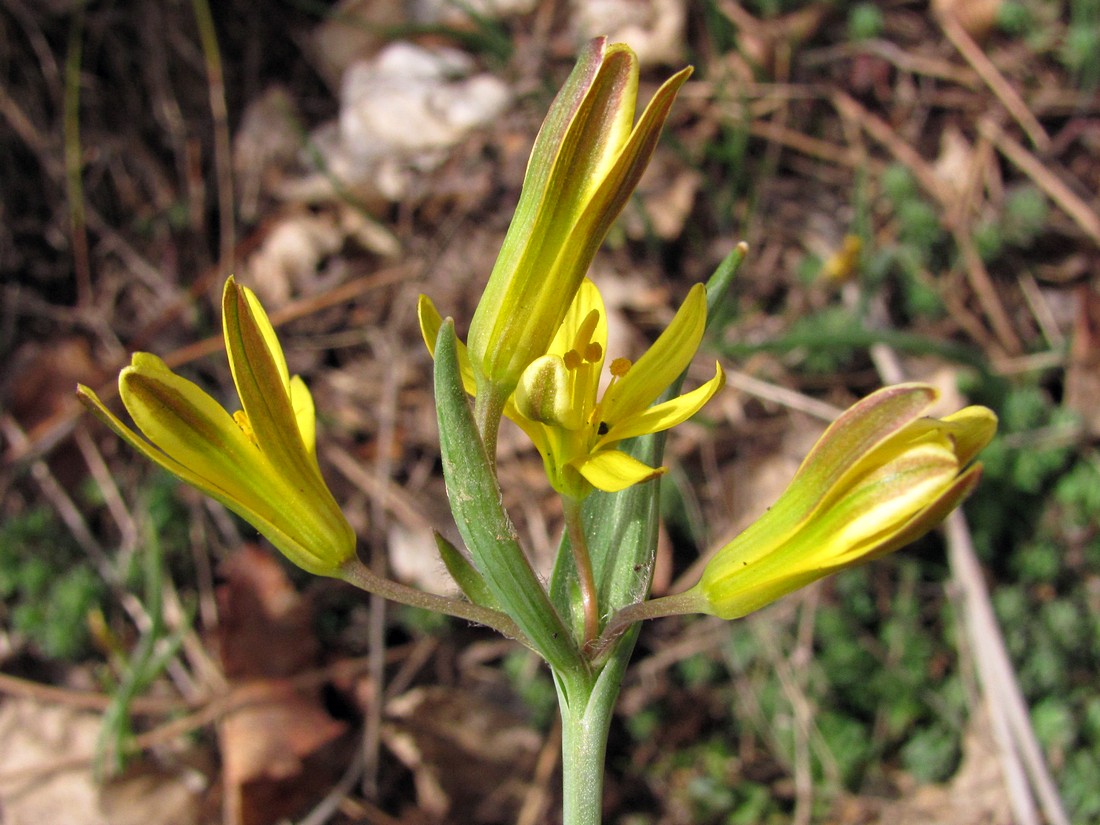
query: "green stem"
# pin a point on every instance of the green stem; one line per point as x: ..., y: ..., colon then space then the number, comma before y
x: 586, y: 707
x: 585, y: 580
x: 358, y: 574
x: 488, y: 410
x: 584, y: 746
x: 675, y: 605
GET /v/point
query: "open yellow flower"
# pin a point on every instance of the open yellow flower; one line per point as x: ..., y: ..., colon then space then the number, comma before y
x: 576, y: 430
x: 259, y: 462
x: 558, y: 402
x: 585, y: 163
x: 880, y: 477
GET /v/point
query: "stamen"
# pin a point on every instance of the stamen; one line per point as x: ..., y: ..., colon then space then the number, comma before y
x: 620, y: 367
x: 572, y: 359
x: 585, y: 330
x: 593, y: 353
x: 246, y: 427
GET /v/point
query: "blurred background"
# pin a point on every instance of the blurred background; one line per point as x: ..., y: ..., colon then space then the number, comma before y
x: 918, y: 187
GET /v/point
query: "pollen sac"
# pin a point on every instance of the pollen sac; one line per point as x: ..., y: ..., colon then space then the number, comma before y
x: 620, y: 367
x: 543, y: 392
x: 246, y: 427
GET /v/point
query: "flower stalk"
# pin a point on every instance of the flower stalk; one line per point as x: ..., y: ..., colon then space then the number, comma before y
x: 586, y: 583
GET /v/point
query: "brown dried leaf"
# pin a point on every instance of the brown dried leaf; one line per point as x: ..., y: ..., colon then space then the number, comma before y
x: 467, y: 753
x: 37, y: 786
x: 46, y: 774
x: 150, y: 794
x: 278, y: 749
x: 40, y: 377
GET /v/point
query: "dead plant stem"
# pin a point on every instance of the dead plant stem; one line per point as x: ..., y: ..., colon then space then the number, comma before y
x: 215, y: 79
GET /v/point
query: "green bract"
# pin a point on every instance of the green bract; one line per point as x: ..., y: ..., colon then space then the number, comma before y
x: 260, y: 462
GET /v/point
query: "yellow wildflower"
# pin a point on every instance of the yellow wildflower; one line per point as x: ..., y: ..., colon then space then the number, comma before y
x: 880, y: 477
x: 259, y: 462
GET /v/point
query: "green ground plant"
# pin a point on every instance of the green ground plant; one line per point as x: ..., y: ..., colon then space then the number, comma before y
x: 47, y: 585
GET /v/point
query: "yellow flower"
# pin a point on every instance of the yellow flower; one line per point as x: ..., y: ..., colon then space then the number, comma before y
x: 558, y: 404
x: 880, y: 477
x: 259, y: 462
x: 576, y: 430
x: 587, y: 159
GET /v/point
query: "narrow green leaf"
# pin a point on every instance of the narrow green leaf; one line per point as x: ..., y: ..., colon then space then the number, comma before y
x: 485, y: 527
x: 465, y: 574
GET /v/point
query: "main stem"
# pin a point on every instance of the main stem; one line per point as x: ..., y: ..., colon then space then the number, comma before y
x: 583, y: 747
x: 586, y: 707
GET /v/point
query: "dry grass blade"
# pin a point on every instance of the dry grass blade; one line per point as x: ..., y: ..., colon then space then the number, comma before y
x: 74, y: 162
x: 976, y: 271
x: 1021, y: 754
x: 223, y: 151
x: 1025, y: 770
x: 1080, y: 212
x: 995, y: 80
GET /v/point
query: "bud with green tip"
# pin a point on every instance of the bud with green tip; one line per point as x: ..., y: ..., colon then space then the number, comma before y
x: 587, y: 159
x: 880, y: 477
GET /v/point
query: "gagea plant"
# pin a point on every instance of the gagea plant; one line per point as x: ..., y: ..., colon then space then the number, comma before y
x: 882, y: 475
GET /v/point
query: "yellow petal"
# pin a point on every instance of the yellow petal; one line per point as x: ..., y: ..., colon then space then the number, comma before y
x: 881, y: 505
x: 191, y: 427
x: 201, y: 444
x: 591, y: 145
x: 748, y: 579
x: 543, y: 258
x: 662, y: 364
x: 932, y: 515
x: 257, y: 372
x: 972, y: 428
x: 565, y: 211
x: 587, y: 300
x: 263, y: 323
x: 543, y: 437
x: 614, y: 470
x: 606, y: 201
x: 204, y: 446
x: 879, y: 478
x: 668, y: 414
x: 847, y: 441
x: 267, y: 475
x: 301, y: 400
x: 157, y: 456
x: 430, y: 322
